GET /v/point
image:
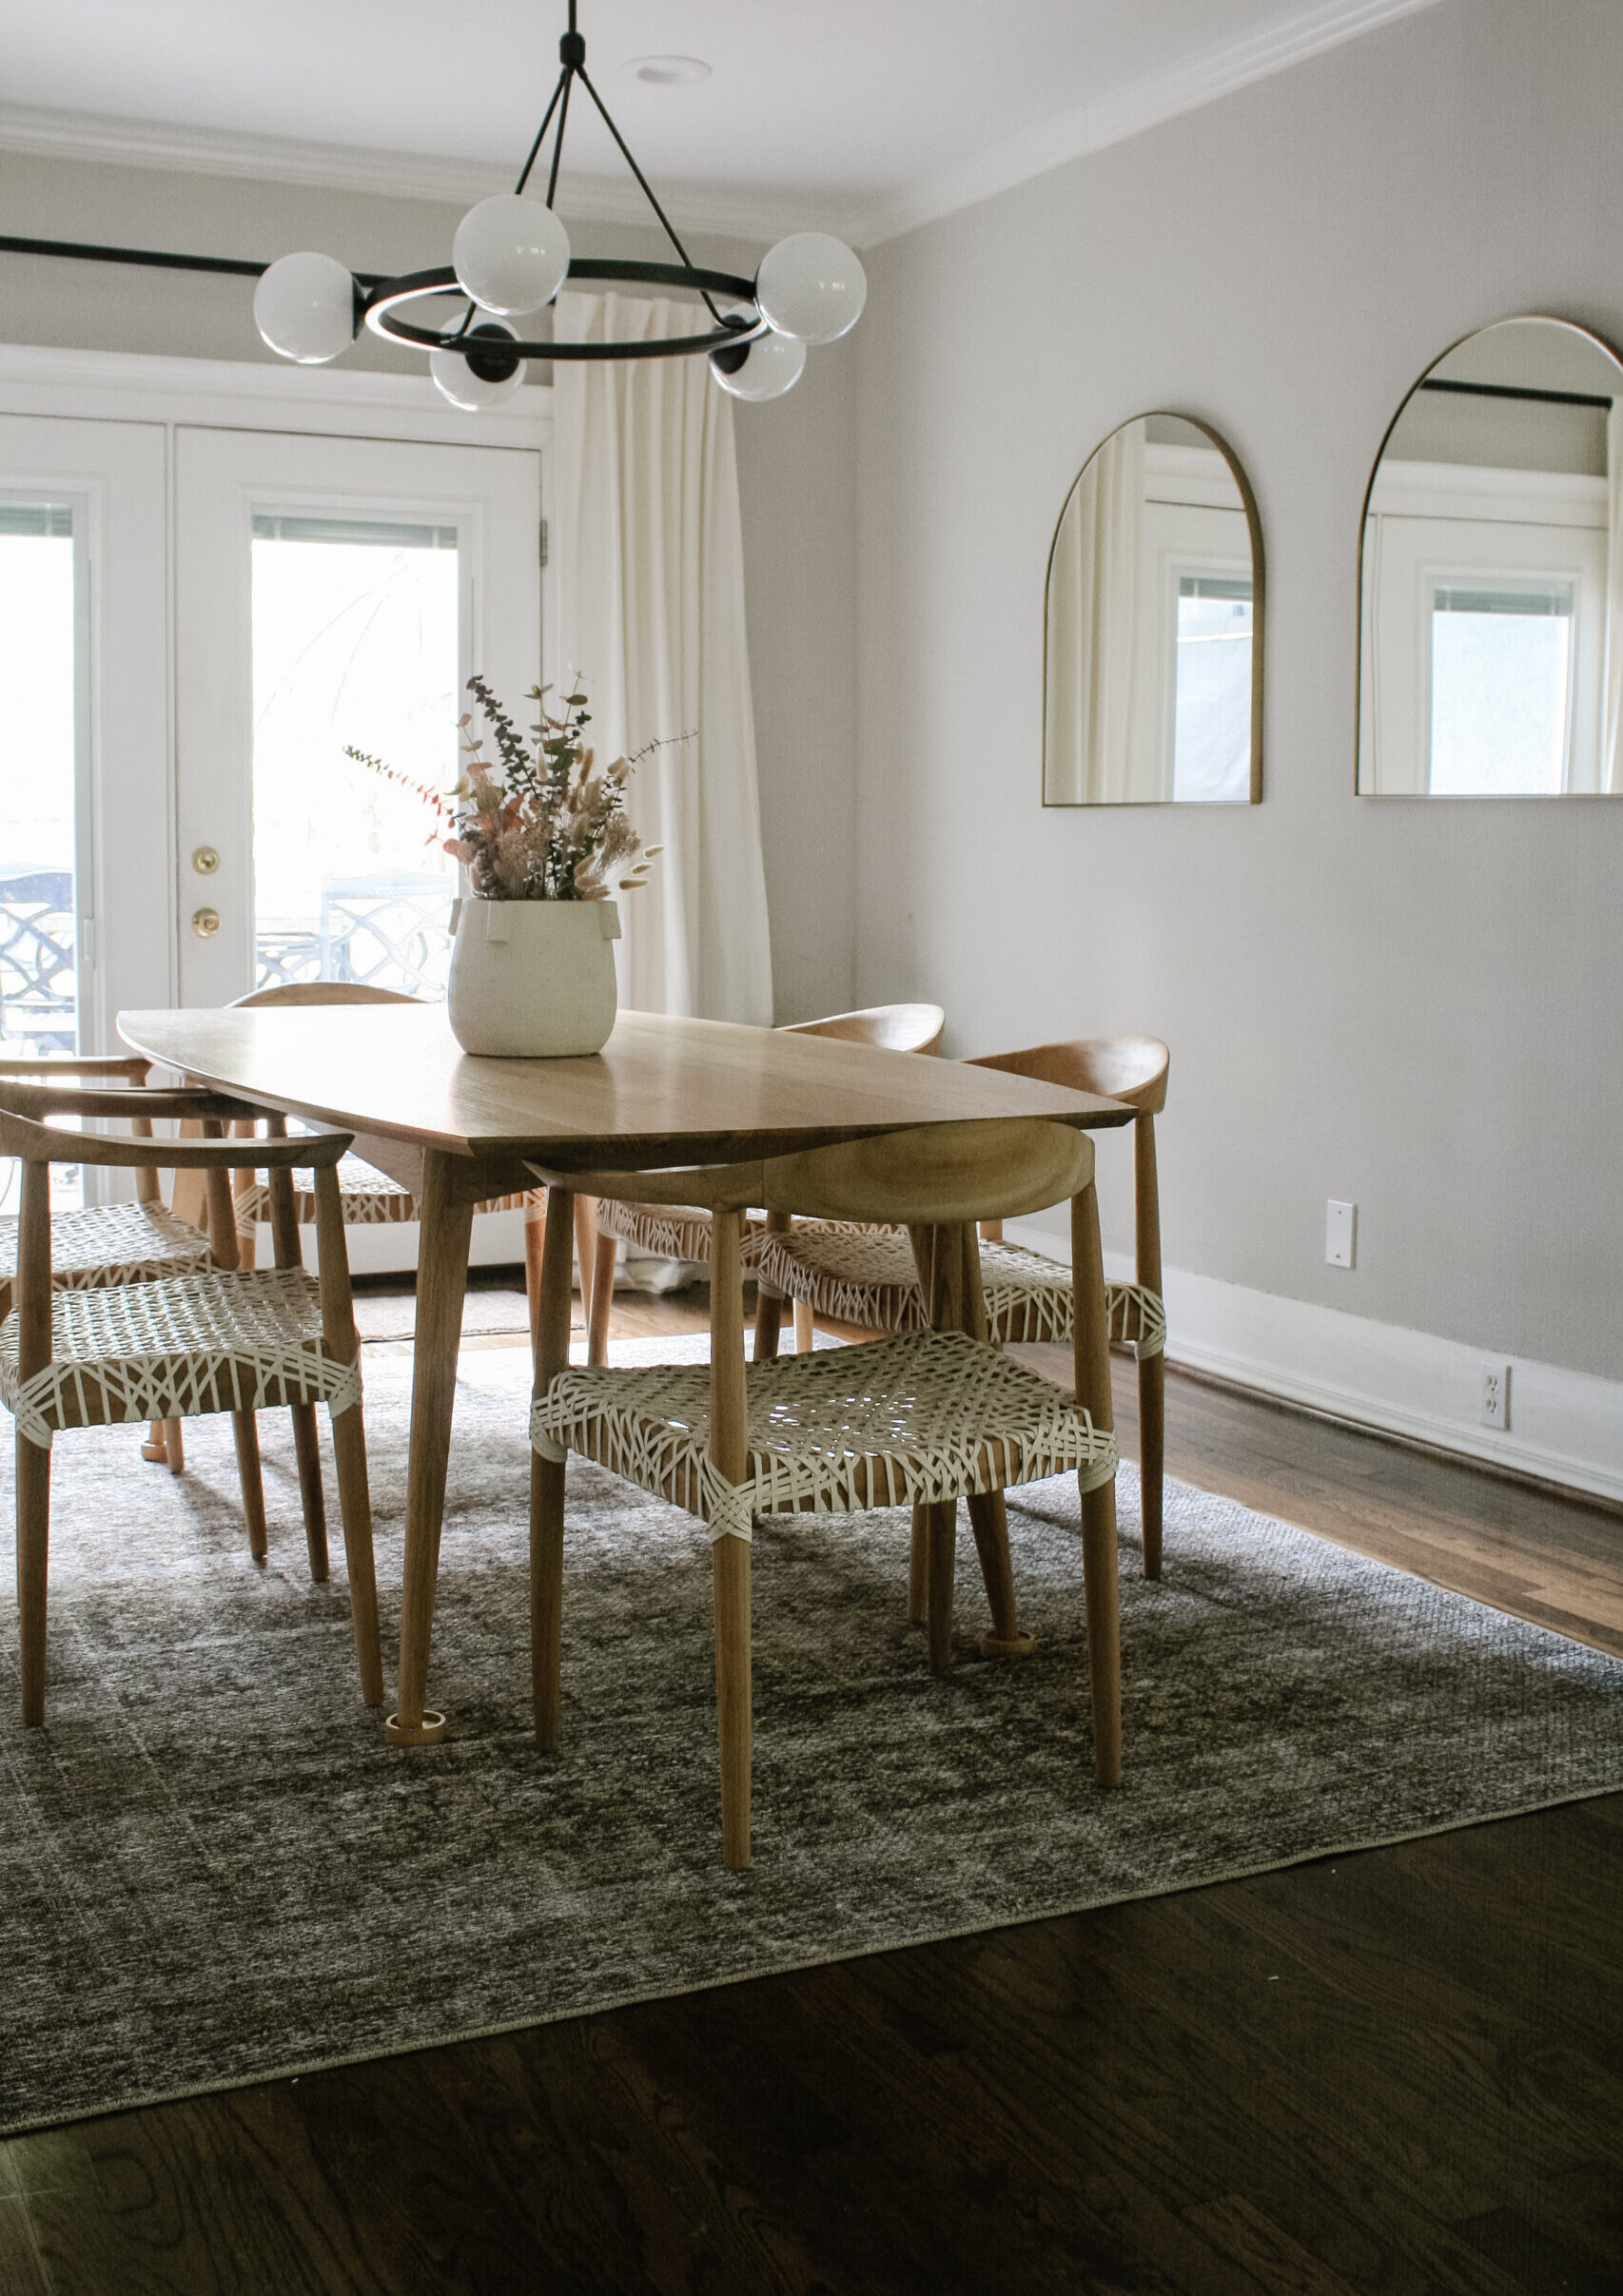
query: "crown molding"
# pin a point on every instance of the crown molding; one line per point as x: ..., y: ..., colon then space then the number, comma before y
x: 734, y: 210
x: 1217, y: 70
x: 731, y: 209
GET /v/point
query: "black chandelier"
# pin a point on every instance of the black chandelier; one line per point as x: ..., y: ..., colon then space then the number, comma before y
x: 510, y: 257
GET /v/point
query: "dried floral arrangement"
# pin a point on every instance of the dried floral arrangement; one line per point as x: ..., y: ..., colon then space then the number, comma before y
x: 547, y: 823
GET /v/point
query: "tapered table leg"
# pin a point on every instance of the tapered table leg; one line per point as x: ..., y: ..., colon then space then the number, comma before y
x: 441, y: 1280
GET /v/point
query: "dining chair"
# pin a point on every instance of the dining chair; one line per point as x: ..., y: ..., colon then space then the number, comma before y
x: 850, y: 1275
x: 682, y: 1230
x: 921, y: 1420
x: 180, y: 1345
x: 93, y: 1245
x: 370, y: 1197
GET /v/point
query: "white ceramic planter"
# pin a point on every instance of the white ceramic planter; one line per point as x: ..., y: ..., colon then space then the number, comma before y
x: 534, y: 980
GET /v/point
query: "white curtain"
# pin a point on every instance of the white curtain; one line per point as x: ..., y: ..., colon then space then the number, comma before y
x: 1097, y: 749
x: 1611, y: 723
x: 650, y: 584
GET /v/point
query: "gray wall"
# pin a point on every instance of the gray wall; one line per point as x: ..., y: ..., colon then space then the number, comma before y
x: 1412, y: 1005
x: 795, y: 459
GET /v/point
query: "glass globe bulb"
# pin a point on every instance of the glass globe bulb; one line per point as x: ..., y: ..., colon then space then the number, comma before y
x: 511, y: 254
x: 304, y: 308
x: 480, y: 378
x: 813, y: 286
x: 771, y: 364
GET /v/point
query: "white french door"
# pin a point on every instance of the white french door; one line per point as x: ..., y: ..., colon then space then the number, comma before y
x: 84, y: 836
x: 334, y: 593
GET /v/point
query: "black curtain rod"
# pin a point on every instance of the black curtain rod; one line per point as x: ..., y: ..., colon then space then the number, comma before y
x: 1514, y: 390
x: 77, y: 251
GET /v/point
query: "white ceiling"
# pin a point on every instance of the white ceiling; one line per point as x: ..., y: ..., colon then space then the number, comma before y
x: 865, y: 116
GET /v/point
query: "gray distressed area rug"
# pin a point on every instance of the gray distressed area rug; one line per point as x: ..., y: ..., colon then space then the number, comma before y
x: 212, y: 1869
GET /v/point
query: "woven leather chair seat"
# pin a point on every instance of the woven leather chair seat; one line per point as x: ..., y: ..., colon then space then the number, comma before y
x: 866, y: 1276
x: 110, y: 1244
x: 904, y: 1421
x: 370, y: 1199
x: 670, y: 1231
x: 176, y: 1349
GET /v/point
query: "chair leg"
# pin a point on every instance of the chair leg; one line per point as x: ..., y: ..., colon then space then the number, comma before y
x: 943, y: 1542
x: 535, y: 1231
x: 585, y: 1257
x: 33, y: 1544
x: 1152, y: 1456
x: 918, y: 1568
x: 246, y: 1427
x: 306, y: 1445
x: 174, y: 1447
x: 547, y: 1475
x: 1103, y: 1629
x: 154, y: 1446
x: 768, y: 1323
x: 355, y: 1514
x: 730, y: 1561
x: 989, y: 1520
x: 805, y: 1330
x: 603, y: 1298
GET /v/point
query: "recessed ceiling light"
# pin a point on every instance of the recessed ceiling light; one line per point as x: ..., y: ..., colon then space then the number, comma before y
x: 669, y: 72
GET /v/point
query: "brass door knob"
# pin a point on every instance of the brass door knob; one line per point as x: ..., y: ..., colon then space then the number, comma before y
x: 205, y: 923
x: 205, y: 861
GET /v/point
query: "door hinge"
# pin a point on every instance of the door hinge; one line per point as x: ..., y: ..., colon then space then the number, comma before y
x: 87, y: 941
x: 543, y: 542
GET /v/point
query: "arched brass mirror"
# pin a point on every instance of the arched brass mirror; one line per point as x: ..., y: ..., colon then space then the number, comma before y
x: 1153, y: 650
x: 1491, y: 574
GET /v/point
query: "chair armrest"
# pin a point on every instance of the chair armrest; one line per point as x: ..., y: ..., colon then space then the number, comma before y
x: 40, y: 1100
x: 37, y: 1143
x: 133, y: 1067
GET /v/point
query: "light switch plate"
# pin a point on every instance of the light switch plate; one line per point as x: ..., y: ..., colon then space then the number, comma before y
x: 1340, y: 1229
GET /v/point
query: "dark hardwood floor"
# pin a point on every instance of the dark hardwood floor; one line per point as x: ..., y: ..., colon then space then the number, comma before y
x: 1395, y: 2073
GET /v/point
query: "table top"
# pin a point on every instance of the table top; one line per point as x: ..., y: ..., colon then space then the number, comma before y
x: 663, y: 1090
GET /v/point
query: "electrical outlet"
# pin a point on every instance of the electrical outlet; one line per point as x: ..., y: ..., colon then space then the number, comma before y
x: 1494, y: 1405
x: 1340, y: 1225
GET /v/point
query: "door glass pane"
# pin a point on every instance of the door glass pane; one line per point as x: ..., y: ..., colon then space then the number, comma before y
x: 1502, y: 688
x: 355, y: 630
x: 1211, y: 756
x: 38, y: 748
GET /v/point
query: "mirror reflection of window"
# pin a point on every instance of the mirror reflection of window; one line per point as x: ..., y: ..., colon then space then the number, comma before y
x: 1490, y: 612
x: 1151, y: 665
x: 1211, y: 753
x: 1501, y: 689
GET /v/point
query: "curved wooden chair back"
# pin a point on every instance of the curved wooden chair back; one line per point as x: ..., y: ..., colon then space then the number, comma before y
x: 324, y: 992
x: 54, y: 1070
x: 37, y: 1145
x: 1122, y: 1068
x: 890, y: 1027
x: 57, y: 1067
x: 939, y: 1175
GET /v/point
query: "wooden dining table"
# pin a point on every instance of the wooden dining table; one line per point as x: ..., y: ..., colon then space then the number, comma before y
x: 456, y: 1130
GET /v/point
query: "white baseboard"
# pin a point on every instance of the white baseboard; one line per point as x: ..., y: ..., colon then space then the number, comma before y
x: 1566, y: 1427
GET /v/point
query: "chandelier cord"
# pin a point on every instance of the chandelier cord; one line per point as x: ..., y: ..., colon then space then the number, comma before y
x: 648, y: 188
x: 541, y: 132
x: 562, y: 124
